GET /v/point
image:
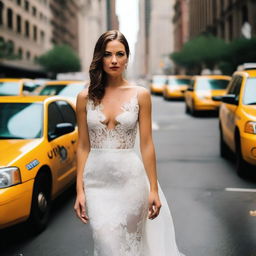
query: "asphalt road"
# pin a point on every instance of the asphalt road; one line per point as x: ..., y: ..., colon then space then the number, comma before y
x: 209, y: 219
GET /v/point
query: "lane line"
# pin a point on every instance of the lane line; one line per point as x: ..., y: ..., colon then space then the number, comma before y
x: 248, y: 190
x: 155, y: 126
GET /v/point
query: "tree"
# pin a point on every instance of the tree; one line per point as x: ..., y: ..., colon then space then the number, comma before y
x: 204, y: 50
x: 60, y: 59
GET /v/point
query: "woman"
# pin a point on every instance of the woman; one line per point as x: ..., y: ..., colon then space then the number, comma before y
x: 120, y: 192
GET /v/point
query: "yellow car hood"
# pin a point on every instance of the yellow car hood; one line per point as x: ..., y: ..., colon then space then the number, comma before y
x: 11, y: 150
x: 250, y: 112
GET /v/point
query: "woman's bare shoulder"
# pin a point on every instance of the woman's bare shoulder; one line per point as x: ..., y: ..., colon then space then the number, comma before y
x: 82, y: 97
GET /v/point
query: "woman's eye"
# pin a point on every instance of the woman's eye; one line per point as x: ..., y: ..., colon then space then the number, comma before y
x: 120, y: 54
x: 107, y: 54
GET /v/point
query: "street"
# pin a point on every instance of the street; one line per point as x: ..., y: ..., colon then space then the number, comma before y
x: 210, y: 213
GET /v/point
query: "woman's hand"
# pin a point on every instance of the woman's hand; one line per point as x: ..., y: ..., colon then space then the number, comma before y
x: 154, y: 205
x: 79, y: 208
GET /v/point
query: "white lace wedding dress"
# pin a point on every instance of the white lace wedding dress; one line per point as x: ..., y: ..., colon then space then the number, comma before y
x: 116, y: 189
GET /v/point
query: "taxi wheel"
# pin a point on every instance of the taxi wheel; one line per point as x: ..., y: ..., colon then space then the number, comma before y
x: 41, y: 203
x: 193, y: 112
x: 242, y: 167
x: 223, y: 146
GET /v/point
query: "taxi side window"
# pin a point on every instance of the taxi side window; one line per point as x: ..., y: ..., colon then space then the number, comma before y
x: 67, y: 112
x: 235, y: 85
x: 54, y: 117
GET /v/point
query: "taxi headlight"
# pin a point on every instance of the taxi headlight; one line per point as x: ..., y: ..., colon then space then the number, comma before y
x: 9, y: 176
x: 250, y: 127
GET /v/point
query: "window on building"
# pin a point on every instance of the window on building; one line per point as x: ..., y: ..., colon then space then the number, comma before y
x: 34, y: 11
x: 27, y: 5
x: 230, y: 27
x: 18, y: 2
x: 27, y: 28
x: 42, y: 35
x: 9, y: 46
x: 9, y: 18
x: 20, y: 53
x: 28, y: 55
x: 35, y: 33
x: 245, y: 14
x: 1, y: 12
x: 18, y: 20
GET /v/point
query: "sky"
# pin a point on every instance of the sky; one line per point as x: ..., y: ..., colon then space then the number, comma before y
x: 128, y: 15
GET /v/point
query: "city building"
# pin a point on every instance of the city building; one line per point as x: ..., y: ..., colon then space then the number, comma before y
x: 160, y: 33
x: 181, y: 23
x: 64, y: 22
x: 228, y: 19
x: 25, y: 34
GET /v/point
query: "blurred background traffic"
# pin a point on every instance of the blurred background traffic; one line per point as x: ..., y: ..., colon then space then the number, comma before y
x: 198, y: 60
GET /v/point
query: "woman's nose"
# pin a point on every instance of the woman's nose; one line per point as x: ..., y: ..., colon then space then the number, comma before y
x: 114, y: 61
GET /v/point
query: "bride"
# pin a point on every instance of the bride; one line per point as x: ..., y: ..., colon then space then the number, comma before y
x: 120, y: 192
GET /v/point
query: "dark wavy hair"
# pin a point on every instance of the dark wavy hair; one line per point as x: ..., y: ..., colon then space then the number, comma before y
x: 97, y: 74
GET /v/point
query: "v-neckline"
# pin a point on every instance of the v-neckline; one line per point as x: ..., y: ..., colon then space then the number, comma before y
x: 122, y: 106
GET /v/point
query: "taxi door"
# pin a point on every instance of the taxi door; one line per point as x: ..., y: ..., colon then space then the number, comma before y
x: 189, y: 93
x: 61, y: 153
x: 228, y: 112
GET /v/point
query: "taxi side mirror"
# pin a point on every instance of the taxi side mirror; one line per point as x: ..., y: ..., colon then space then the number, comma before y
x: 61, y: 129
x: 230, y: 99
x: 190, y: 89
x: 217, y: 98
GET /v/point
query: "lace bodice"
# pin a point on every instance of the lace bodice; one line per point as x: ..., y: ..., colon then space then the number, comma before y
x: 123, y: 135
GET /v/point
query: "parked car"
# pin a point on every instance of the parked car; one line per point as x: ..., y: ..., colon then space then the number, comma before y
x: 157, y: 84
x: 70, y: 89
x: 175, y: 87
x: 198, y: 96
x: 38, y: 136
x: 237, y: 120
x: 16, y: 86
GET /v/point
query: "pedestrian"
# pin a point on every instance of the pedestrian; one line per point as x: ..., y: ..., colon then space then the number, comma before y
x: 119, y: 190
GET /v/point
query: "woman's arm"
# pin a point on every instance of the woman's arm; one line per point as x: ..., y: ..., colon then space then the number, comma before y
x: 148, y: 151
x: 83, y: 148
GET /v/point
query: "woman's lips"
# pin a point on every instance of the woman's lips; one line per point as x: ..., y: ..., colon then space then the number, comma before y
x: 114, y: 68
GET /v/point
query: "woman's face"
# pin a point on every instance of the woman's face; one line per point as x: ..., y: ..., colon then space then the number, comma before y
x: 115, y: 58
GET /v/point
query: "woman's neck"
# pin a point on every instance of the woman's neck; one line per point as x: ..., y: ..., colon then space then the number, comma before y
x: 115, y: 81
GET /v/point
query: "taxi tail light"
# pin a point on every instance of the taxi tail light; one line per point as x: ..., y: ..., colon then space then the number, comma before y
x: 250, y: 127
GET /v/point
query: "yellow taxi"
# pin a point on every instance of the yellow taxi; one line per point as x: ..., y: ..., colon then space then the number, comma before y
x: 68, y: 89
x: 237, y: 120
x: 38, y: 136
x: 16, y: 86
x: 175, y: 87
x: 198, y: 96
x: 157, y: 84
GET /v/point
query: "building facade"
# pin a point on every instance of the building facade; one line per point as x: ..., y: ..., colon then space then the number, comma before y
x: 25, y: 32
x: 64, y: 22
x: 160, y: 33
x: 181, y: 23
x: 227, y: 19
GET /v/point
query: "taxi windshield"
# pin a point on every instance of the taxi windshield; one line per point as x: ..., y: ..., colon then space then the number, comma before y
x: 9, y: 88
x: 21, y: 120
x: 159, y: 80
x: 178, y: 82
x: 250, y: 92
x: 70, y: 90
x: 211, y: 84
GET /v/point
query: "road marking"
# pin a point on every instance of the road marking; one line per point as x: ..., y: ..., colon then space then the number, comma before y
x: 249, y: 190
x: 155, y: 126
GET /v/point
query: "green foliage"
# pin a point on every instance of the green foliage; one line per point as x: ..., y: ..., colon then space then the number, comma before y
x: 201, y: 51
x: 241, y: 50
x: 60, y: 59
